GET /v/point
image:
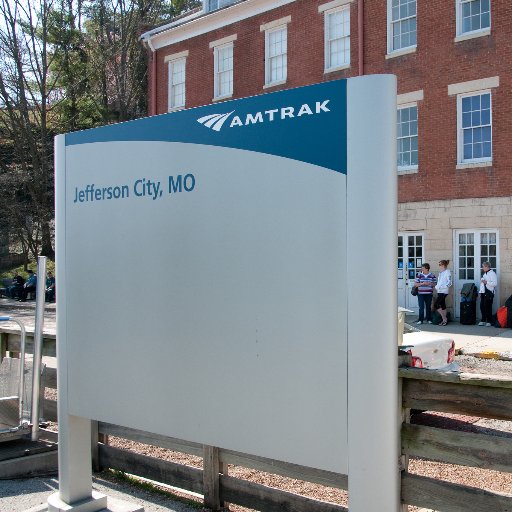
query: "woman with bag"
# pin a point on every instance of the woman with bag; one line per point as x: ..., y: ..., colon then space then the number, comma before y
x: 424, y: 284
x: 444, y: 282
x: 488, y: 284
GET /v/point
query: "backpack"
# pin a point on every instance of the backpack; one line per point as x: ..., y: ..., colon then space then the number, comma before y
x: 468, y: 292
x: 501, y: 316
x: 436, y: 318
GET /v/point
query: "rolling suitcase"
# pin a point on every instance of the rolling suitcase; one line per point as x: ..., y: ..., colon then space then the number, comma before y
x: 468, y: 313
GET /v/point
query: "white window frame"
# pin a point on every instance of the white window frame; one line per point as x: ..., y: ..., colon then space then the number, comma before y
x: 400, y: 51
x: 408, y: 169
x: 216, y: 83
x: 409, y: 99
x: 474, y: 162
x: 269, y: 29
x: 170, y: 96
x: 462, y: 36
x: 328, y: 68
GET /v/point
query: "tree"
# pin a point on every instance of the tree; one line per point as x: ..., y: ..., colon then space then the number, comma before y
x: 25, y: 96
x: 65, y: 65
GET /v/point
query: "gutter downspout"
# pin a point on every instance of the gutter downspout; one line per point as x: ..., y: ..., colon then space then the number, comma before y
x: 152, y: 98
x: 360, y: 36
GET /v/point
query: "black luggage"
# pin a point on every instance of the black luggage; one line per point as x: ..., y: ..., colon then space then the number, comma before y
x: 468, y: 293
x: 468, y: 313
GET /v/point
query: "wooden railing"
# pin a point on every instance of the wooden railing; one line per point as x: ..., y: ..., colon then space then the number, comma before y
x: 468, y: 394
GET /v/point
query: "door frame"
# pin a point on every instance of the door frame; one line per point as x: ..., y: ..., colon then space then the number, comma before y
x: 478, y: 257
x: 405, y: 298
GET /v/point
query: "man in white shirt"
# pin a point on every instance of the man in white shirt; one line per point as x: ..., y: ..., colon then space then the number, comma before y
x: 488, y: 284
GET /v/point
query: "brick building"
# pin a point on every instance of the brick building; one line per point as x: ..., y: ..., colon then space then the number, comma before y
x: 453, y: 62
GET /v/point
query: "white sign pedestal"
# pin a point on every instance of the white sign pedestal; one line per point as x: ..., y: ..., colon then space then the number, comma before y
x: 269, y: 225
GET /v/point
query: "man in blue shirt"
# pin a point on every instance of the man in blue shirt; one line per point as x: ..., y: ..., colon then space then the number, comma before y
x: 29, y: 286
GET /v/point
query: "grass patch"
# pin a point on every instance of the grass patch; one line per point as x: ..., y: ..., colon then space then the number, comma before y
x: 121, y: 476
x: 7, y: 274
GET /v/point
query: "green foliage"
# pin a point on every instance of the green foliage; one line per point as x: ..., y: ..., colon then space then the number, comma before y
x: 50, y: 267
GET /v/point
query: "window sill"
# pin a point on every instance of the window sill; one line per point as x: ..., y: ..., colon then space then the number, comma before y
x: 399, y: 53
x: 407, y: 170
x: 473, y: 165
x: 175, y: 109
x: 221, y: 98
x: 473, y: 35
x: 274, y: 84
x: 337, y: 68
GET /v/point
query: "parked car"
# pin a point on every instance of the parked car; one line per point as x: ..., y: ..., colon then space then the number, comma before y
x: 433, y: 351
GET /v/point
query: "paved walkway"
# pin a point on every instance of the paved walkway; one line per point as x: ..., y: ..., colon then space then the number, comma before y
x: 30, y: 495
x: 25, y: 311
x: 486, y: 342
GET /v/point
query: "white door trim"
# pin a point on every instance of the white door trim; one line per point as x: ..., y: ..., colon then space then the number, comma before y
x: 477, y: 265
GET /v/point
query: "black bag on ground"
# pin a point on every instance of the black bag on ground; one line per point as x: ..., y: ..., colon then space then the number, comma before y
x: 468, y: 313
x: 508, y: 303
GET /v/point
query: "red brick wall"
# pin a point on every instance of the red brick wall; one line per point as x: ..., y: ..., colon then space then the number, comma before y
x: 438, y: 62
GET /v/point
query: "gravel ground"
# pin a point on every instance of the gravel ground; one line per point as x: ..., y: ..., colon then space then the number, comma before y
x: 21, y: 495
x: 469, y: 364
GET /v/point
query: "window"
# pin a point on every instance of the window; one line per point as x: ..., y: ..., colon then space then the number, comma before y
x: 276, y: 55
x: 473, y: 16
x: 213, y: 5
x: 402, y: 24
x: 223, y: 63
x: 407, y: 137
x: 475, y: 127
x: 177, y: 83
x: 337, y: 38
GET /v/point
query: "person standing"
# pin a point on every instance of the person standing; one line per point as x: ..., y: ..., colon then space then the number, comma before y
x: 488, y: 284
x: 444, y: 282
x: 425, y: 282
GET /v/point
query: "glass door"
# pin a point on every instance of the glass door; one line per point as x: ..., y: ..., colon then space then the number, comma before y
x: 410, y: 259
x: 473, y: 247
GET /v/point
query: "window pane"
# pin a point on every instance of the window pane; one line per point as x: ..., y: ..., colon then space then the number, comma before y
x: 224, y: 71
x: 276, y: 56
x: 337, y: 28
x: 403, y: 24
x: 407, y: 136
x: 475, y: 15
x: 476, y: 127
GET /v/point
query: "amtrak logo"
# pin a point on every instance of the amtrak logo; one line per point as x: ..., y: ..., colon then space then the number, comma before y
x: 216, y: 121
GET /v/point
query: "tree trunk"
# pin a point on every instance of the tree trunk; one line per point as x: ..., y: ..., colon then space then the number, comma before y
x: 46, y: 242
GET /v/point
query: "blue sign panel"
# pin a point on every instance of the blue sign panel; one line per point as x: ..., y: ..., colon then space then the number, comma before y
x: 308, y: 124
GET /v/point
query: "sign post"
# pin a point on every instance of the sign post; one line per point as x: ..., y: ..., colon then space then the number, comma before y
x: 249, y: 236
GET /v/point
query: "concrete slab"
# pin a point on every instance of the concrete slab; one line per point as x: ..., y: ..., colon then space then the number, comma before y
x: 113, y: 505
x: 473, y: 340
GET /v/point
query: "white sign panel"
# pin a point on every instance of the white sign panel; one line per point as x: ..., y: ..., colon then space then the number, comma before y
x: 207, y: 275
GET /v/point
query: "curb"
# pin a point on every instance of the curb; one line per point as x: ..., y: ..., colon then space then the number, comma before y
x: 489, y: 354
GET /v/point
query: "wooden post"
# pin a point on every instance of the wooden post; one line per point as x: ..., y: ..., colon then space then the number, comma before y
x: 405, y: 417
x: 212, y: 468
x: 3, y: 345
x: 95, y: 452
